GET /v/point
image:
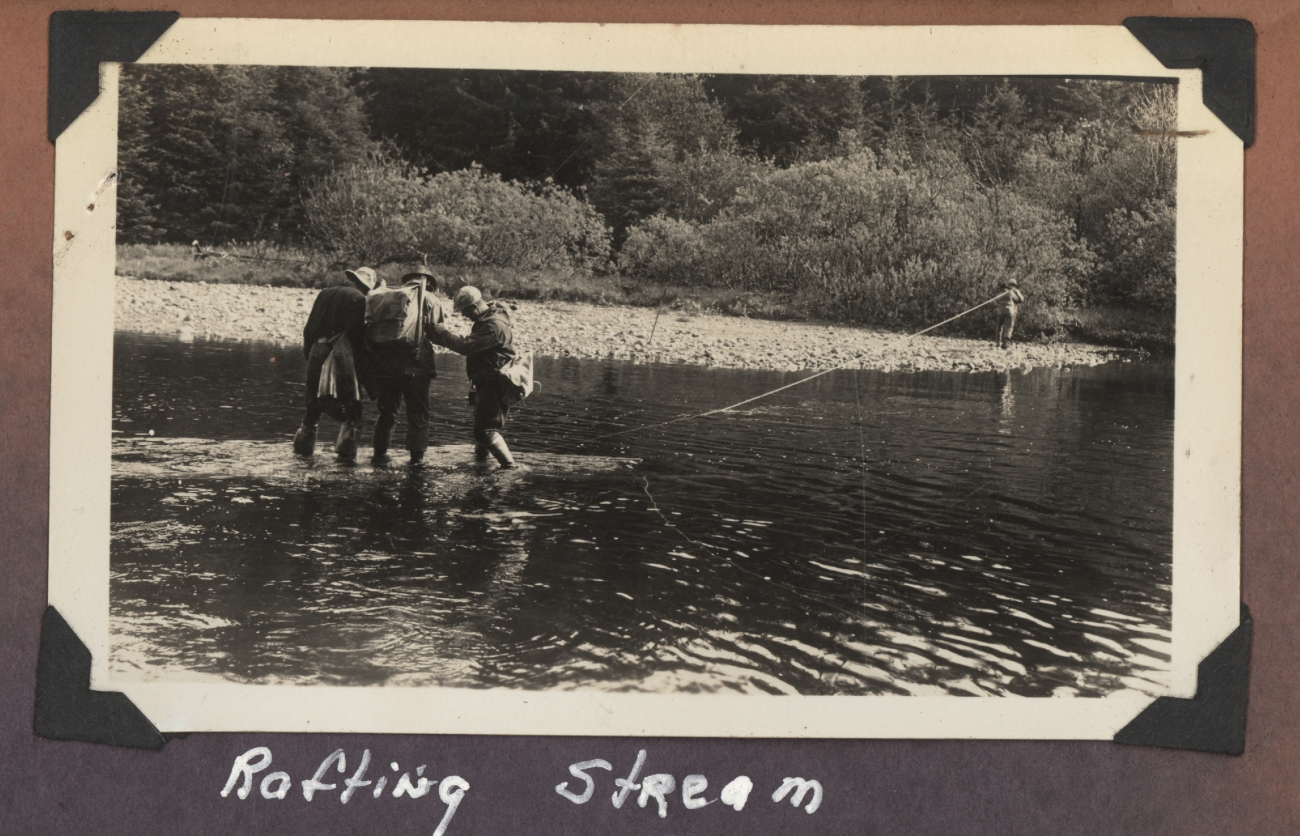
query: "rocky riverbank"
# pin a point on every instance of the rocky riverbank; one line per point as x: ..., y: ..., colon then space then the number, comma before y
x: 193, y: 310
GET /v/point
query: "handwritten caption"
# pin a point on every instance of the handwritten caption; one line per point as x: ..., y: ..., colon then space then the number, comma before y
x: 276, y: 785
x: 661, y: 786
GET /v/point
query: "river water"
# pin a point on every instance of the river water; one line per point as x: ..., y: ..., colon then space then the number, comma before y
x: 866, y: 533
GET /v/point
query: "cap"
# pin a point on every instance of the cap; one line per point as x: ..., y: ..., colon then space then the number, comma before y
x: 467, y: 297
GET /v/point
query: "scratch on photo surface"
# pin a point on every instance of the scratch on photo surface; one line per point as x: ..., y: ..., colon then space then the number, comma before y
x: 1172, y: 134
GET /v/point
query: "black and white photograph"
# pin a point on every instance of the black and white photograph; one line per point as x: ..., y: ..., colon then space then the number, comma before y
x: 586, y: 381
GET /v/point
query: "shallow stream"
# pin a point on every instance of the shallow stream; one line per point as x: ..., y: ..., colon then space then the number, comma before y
x: 866, y: 533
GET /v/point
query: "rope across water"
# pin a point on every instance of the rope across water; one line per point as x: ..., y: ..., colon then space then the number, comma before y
x: 769, y: 393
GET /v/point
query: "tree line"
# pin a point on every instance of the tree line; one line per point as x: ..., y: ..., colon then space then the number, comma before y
x: 875, y: 200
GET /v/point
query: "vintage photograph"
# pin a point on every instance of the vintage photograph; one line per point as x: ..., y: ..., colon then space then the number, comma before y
x: 576, y: 380
x: 886, y: 386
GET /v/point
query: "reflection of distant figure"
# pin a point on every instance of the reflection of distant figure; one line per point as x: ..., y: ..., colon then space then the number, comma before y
x: 1007, y: 400
x: 1008, y: 305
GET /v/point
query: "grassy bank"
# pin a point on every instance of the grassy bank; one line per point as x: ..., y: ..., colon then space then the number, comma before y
x: 280, y: 267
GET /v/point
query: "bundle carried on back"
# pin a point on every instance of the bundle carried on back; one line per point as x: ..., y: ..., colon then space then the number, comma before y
x: 517, y: 378
x: 393, y: 315
x: 338, y: 380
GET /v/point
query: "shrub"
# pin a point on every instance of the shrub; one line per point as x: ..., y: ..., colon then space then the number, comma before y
x: 382, y: 211
x: 662, y: 250
x: 858, y: 240
x: 1140, y: 248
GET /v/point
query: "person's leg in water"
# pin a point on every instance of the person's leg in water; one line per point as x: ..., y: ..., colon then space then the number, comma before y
x: 304, y: 441
x: 480, y: 449
x: 415, y: 391
x: 388, y: 396
x: 349, y: 433
x: 490, y: 411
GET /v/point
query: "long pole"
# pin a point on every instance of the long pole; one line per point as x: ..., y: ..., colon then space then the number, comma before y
x: 419, y: 322
x: 794, y: 384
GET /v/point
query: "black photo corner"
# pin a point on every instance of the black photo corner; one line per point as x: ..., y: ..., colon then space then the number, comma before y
x: 1214, y: 721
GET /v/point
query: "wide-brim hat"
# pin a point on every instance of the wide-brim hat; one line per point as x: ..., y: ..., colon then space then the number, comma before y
x: 363, y: 277
x: 1011, y: 283
x: 419, y: 273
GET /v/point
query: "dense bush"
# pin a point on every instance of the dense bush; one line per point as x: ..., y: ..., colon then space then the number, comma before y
x: 862, y: 241
x: 380, y: 210
x: 1139, y: 264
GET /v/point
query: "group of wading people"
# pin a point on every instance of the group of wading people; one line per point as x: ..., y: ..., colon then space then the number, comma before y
x: 380, y: 337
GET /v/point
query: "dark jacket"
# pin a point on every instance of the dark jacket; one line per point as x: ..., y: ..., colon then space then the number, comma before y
x: 398, y: 358
x: 337, y: 309
x: 489, y: 346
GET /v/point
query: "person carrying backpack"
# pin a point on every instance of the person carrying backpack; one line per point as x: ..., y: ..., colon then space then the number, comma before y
x: 399, y: 357
x: 339, y: 312
x: 488, y: 349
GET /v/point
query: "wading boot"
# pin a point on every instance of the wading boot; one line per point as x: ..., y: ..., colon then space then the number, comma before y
x: 346, y: 446
x: 383, y: 435
x: 480, y: 452
x: 497, y: 446
x: 304, y: 441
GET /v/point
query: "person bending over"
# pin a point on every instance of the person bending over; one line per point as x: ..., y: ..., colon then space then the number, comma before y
x: 339, y: 310
x: 488, y: 348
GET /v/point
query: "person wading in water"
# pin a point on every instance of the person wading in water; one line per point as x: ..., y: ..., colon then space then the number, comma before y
x: 488, y: 348
x: 339, y: 312
x: 400, y: 358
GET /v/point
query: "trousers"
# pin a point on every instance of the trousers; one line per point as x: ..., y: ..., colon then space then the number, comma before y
x: 413, y: 389
x: 490, y: 408
x: 1006, y: 325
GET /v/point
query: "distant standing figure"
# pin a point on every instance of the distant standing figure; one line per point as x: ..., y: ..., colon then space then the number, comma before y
x: 1008, y: 305
x: 488, y: 348
x: 339, y: 310
x: 400, y: 357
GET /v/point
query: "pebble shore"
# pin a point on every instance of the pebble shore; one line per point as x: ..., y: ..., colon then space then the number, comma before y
x: 198, y: 311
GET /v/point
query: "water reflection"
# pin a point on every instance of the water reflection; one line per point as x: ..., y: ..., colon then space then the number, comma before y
x: 865, y: 533
x: 1007, y: 401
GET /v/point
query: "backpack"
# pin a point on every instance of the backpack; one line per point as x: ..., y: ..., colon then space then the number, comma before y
x: 393, y: 314
x: 517, y: 378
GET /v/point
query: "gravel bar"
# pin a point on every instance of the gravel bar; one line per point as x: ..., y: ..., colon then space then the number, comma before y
x: 199, y: 311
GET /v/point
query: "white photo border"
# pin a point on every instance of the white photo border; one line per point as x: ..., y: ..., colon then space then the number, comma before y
x: 1207, y: 436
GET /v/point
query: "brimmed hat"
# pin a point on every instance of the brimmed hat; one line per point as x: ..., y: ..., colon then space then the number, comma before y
x: 420, y: 272
x: 364, y: 277
x: 1011, y: 283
